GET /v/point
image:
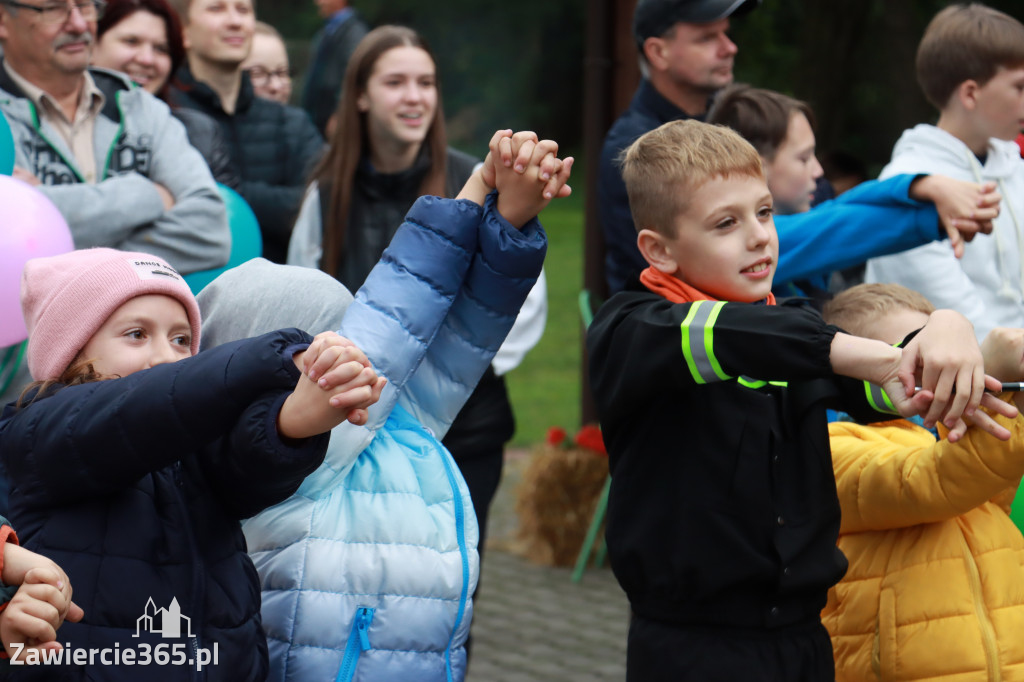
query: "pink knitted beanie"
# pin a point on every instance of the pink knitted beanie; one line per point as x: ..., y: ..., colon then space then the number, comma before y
x: 66, y: 299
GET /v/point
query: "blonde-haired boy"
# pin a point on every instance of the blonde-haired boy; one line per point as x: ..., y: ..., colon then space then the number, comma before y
x: 935, y: 587
x: 723, y: 517
x: 970, y: 66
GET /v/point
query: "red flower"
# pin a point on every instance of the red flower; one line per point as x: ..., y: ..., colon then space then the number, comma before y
x: 589, y: 437
x: 556, y: 436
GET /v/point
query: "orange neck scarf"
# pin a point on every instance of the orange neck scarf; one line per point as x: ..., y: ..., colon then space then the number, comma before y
x: 676, y: 290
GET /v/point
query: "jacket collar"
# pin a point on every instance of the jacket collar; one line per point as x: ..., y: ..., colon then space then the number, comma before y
x: 648, y: 99
x: 205, y: 95
x: 108, y: 82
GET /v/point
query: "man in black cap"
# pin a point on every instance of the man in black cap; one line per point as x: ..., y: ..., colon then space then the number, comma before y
x: 686, y: 56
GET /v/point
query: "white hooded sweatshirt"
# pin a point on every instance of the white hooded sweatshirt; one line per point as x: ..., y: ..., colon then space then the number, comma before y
x: 986, y: 284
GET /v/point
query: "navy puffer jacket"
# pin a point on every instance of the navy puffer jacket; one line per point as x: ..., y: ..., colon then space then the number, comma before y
x: 136, y: 486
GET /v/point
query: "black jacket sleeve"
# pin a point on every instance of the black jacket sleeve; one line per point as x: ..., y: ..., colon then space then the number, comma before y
x: 253, y: 468
x: 640, y: 339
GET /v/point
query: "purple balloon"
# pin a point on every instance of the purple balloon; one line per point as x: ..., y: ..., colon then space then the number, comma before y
x: 30, y: 227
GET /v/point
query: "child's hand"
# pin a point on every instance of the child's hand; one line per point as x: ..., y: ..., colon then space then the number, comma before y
x: 318, y: 359
x: 528, y: 174
x: 1003, y: 350
x: 487, y: 169
x: 523, y: 150
x: 920, y: 402
x: 964, y: 208
x: 18, y: 561
x: 946, y: 357
x: 323, y: 354
x: 39, y: 607
x: 337, y: 384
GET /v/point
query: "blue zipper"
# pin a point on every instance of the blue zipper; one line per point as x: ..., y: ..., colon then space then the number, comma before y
x: 460, y: 534
x: 358, y: 642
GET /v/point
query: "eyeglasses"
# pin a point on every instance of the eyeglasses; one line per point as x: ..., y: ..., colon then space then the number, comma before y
x: 56, y: 13
x: 260, y: 77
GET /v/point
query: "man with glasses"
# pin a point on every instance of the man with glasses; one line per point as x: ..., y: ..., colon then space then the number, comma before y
x: 110, y: 156
x: 273, y: 145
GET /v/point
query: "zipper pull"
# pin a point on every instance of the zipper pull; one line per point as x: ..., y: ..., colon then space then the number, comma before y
x: 363, y: 626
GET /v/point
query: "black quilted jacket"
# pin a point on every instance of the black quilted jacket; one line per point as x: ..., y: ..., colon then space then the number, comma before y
x: 274, y: 147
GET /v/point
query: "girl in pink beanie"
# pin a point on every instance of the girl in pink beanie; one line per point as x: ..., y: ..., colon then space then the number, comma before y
x: 132, y: 460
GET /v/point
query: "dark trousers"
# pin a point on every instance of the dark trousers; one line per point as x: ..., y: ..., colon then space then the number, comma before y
x: 659, y: 651
x: 482, y: 472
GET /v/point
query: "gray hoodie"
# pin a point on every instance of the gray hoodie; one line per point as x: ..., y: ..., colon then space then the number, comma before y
x: 140, y: 145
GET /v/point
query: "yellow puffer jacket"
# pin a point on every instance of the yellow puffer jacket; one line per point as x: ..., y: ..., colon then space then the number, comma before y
x: 935, y: 588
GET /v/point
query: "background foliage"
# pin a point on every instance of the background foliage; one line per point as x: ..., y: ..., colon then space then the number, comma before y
x: 502, y: 65
x: 519, y: 64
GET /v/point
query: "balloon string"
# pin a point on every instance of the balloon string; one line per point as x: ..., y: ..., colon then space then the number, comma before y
x: 11, y: 368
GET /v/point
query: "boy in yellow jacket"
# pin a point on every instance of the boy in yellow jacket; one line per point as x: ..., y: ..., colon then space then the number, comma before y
x: 935, y: 587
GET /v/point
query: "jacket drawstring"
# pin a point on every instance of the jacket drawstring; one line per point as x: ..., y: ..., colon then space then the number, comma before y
x: 1005, y: 290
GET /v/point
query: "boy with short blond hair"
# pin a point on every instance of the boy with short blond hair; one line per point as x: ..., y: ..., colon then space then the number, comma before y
x: 867, y: 309
x: 722, y: 516
x: 970, y: 65
x: 675, y: 155
x: 933, y: 588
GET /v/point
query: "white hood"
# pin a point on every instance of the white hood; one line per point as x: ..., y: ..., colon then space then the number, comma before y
x: 986, y: 284
x: 948, y: 155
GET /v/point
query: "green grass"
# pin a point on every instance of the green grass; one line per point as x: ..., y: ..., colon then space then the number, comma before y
x: 545, y: 388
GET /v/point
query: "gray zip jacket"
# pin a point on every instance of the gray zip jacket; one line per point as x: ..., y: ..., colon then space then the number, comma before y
x: 137, y: 143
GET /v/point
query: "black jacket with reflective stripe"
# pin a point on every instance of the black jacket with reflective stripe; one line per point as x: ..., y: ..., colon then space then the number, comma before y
x: 723, y: 507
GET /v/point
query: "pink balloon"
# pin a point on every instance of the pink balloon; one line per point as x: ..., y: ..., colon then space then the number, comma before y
x: 30, y: 227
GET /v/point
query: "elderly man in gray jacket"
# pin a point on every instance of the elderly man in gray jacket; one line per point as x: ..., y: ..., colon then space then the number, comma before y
x: 110, y: 156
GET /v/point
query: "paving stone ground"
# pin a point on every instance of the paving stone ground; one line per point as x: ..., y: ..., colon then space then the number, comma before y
x: 532, y: 623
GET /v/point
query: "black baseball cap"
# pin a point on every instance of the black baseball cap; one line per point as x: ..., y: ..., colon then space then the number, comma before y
x: 656, y: 17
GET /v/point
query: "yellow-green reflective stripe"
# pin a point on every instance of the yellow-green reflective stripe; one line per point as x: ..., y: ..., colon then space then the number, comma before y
x: 684, y: 328
x: 698, y: 342
x: 877, y: 399
x: 709, y: 346
x: 757, y: 383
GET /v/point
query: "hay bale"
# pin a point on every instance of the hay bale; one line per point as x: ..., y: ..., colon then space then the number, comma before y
x: 556, y: 501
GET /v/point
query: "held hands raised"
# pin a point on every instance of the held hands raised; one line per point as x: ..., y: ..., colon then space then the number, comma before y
x: 337, y: 384
x: 526, y: 172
